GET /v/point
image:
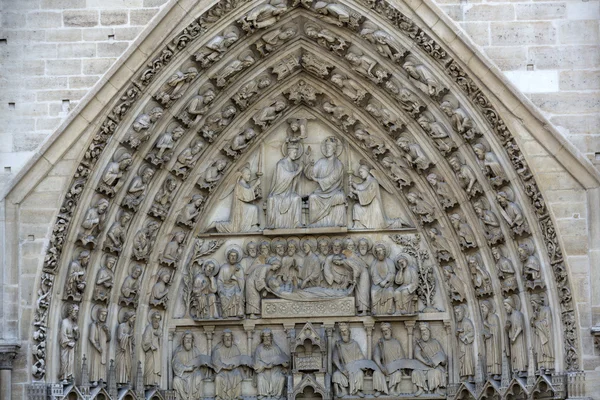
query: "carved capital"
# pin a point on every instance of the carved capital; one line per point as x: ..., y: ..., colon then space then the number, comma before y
x: 596, y: 334
x: 8, y: 352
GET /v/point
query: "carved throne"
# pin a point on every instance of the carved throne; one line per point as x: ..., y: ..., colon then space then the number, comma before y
x: 309, y: 378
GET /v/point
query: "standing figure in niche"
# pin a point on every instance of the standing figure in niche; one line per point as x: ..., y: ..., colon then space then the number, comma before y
x: 464, y: 231
x: 212, y: 175
x: 284, y: 205
x: 505, y: 271
x: 131, y: 286
x: 541, y: 322
x: 163, y: 147
x: 512, y: 213
x: 160, y: 290
x: 151, y: 342
x: 482, y: 282
x: 114, y: 171
x: 264, y: 251
x: 244, y: 215
x: 490, y: 223
x: 204, y: 292
x: 368, y: 211
x: 187, y: 366
x: 68, y: 337
x: 327, y: 204
x: 515, y: 326
x: 430, y: 352
x: 492, y: 335
x: 442, y: 189
x: 230, y: 283
x: 383, y: 272
x: 310, y: 274
x: 173, y: 249
x: 407, y: 276
x: 250, y: 255
x: 76, y: 282
x: 125, y: 344
x: 387, y: 350
x: 105, y: 279
x: 414, y: 154
x: 465, y: 334
x: 532, y: 269
x: 348, y: 379
x: 99, y: 337
x: 226, y: 362
x: 188, y: 158
x: 455, y: 285
x: 270, y: 363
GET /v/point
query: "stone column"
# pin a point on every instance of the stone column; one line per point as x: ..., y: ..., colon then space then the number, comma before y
x: 329, y: 331
x: 249, y: 334
x: 209, y: 330
x: 410, y: 326
x: 369, y: 328
x: 8, y: 352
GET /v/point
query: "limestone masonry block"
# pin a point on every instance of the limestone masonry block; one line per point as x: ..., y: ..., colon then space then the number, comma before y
x: 524, y: 33
x: 80, y: 18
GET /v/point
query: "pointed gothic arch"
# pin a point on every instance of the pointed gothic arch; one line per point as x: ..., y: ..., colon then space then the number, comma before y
x: 395, y: 78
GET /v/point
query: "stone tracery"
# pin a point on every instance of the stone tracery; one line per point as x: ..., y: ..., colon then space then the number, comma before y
x: 415, y: 153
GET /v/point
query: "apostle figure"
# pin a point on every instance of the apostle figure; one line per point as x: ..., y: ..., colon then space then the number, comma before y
x: 226, y: 362
x: 151, y: 341
x: 360, y: 273
x: 430, y: 352
x: 204, y: 292
x: 270, y: 363
x: 257, y: 278
x: 465, y: 334
x: 337, y: 273
x: 187, y: 372
x: 492, y: 335
x: 284, y: 205
x: 515, y: 325
x: 541, y: 322
x: 125, y: 344
x: 68, y: 337
x: 327, y: 204
x: 387, y: 350
x: 382, y: 279
x: 407, y: 276
x: 99, y: 337
x: 364, y: 251
x: 368, y: 211
x: 244, y: 215
x: 230, y: 284
x: 348, y: 377
x: 310, y: 273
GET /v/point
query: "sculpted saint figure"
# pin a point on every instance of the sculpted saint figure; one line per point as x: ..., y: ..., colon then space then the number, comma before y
x: 492, y: 335
x: 325, y: 38
x: 414, y: 154
x: 173, y: 249
x: 269, y: 113
x: 416, y: 70
x: 164, y: 198
x: 125, y: 343
x: 465, y: 176
x: 532, y: 269
x: 384, y: 116
x: 239, y: 143
x: 160, y: 290
x: 505, y: 270
x: 361, y: 276
x: 490, y: 164
x: 365, y: 65
x: 515, y: 326
x: 230, y: 284
x: 387, y: 350
x: 323, y: 246
x: 327, y: 204
x: 187, y: 366
x: 270, y: 363
x: 291, y: 264
x: 407, y: 277
x: 489, y: 222
x: 204, y: 292
x: 383, y: 273
x: 144, y: 239
x: 421, y: 207
x: 284, y: 205
x: 368, y: 141
x: 250, y: 89
x: 68, y: 337
x: 188, y: 158
x: 257, y: 279
x: 397, y: 171
x: 217, y: 122
x: 368, y: 212
x: 466, y: 336
x: 197, y: 107
x: 190, y: 212
x: 250, y: 255
x: 455, y: 286
x: 114, y: 171
x: 131, y: 286
x: 141, y: 127
x: 76, y: 282
x: 117, y: 232
x: 93, y: 222
x: 481, y: 279
x: 226, y: 361
x: 512, y: 213
x: 349, y: 87
x: 176, y: 86
x: 437, y: 132
x: 213, y: 174
x: 410, y: 102
x: 163, y: 148
x: 105, y: 279
x: 442, y: 189
x: 439, y: 244
x: 263, y: 16
x: 430, y: 352
x: 335, y: 13
x: 244, y: 215
x: 541, y: 322
x: 136, y: 192
x: 272, y: 40
x: 310, y: 273
x: 459, y: 118
x: 151, y: 342
x: 217, y: 46
x: 337, y: 273
x: 348, y: 378
x: 243, y: 61
x: 464, y: 231
x: 99, y: 337
x: 383, y: 42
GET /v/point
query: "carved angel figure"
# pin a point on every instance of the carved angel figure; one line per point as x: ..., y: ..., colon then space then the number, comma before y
x: 421, y: 207
x: 136, y: 192
x: 197, y: 106
x: 443, y: 190
x: 368, y: 212
x: 263, y: 16
x: 383, y: 42
x: 464, y: 231
x: 410, y: 102
x: 466, y: 177
x: 365, y: 65
x: 349, y: 87
x: 216, y: 47
x: 93, y: 222
x: 397, y: 171
x: 437, y: 132
x: 114, y: 171
x: 414, y: 154
x: 270, y: 113
x: 212, y: 175
x: 461, y: 121
x: 117, y: 232
x: 247, y: 93
x: 187, y: 159
x: 244, y: 60
x: 190, y: 212
x: 419, y: 72
x: 368, y: 141
x: 131, y: 286
x: 325, y: 38
x: 274, y: 39
x: 140, y: 129
x: 176, y: 86
x: 164, y: 198
x: 144, y: 240
x: 163, y: 148
x: 215, y: 123
x: 105, y: 278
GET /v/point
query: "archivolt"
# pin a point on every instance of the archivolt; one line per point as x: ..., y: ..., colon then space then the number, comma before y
x: 301, y: 72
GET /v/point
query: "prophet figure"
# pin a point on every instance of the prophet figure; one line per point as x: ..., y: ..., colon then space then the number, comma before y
x: 430, y: 352
x: 349, y: 377
x: 230, y: 283
x: 382, y: 278
x: 204, y: 292
x: 465, y: 334
x: 99, y: 337
x: 187, y: 369
x: 327, y: 204
x: 284, y: 205
x: 387, y: 350
x: 151, y: 341
x: 492, y: 335
x: 68, y: 337
x: 270, y: 363
x: 125, y: 344
x: 310, y: 273
x: 226, y: 360
x: 541, y: 322
x: 515, y: 326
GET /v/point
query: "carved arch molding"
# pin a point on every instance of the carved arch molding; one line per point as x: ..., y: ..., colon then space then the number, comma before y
x: 309, y: 132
